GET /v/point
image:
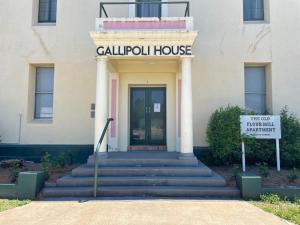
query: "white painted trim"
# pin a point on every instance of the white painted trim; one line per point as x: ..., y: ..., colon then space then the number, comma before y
x: 165, y: 9
x: 131, y: 9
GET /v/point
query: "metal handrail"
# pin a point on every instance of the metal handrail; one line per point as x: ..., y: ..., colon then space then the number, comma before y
x: 96, y: 155
x: 102, y: 4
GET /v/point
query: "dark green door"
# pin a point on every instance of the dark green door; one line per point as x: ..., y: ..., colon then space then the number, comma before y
x: 148, y: 116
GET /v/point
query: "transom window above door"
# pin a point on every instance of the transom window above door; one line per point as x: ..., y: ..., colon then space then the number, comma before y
x: 148, y: 8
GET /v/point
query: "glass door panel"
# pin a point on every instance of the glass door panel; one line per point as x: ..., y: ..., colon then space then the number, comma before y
x: 157, y: 116
x: 138, y: 116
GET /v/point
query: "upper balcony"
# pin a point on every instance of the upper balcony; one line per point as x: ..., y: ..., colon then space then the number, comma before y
x: 144, y: 23
x: 144, y: 15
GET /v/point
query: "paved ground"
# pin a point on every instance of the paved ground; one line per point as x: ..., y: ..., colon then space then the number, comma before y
x: 139, y: 212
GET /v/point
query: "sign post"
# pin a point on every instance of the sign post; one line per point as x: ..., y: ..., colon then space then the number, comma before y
x: 277, y: 154
x: 261, y: 127
x: 243, y: 156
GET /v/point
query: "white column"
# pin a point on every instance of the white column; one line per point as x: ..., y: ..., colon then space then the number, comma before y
x: 186, y: 147
x: 101, y: 110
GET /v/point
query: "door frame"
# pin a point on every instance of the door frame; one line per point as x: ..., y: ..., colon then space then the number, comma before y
x: 147, y: 127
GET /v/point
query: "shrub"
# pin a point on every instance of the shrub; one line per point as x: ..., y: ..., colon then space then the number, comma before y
x: 14, y: 170
x: 293, y: 175
x: 290, y: 141
x: 270, y: 198
x: 263, y: 169
x: 70, y: 157
x: 46, y: 164
x: 61, y: 160
x: 223, y: 135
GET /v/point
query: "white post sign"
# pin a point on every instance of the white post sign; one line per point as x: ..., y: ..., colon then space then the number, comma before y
x: 261, y: 127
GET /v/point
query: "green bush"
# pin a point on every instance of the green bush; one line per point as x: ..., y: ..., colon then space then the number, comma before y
x: 46, y: 164
x: 290, y: 142
x: 14, y: 170
x: 270, y: 198
x: 223, y: 136
x: 293, y: 175
x: 61, y: 160
x: 263, y: 169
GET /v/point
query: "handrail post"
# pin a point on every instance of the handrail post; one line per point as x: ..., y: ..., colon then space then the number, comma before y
x: 96, y: 156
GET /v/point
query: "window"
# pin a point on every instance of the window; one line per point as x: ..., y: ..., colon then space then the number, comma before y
x: 44, y: 93
x: 47, y: 11
x: 255, y: 89
x: 253, y: 10
x: 148, y: 10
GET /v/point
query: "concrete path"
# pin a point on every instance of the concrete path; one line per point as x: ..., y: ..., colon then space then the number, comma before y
x: 139, y: 212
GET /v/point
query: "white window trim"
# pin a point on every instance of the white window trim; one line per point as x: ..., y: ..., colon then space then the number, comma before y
x: 266, y: 19
x: 41, y: 119
x: 132, y: 9
x: 35, y: 16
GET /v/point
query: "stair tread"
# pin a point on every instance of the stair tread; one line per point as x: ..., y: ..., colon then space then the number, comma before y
x: 144, y: 167
x: 212, y: 188
x: 143, y: 178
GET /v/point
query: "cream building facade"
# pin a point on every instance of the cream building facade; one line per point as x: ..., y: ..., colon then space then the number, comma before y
x: 225, y: 46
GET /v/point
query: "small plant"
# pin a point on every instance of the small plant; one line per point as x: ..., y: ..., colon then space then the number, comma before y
x: 270, y: 198
x: 14, y: 170
x: 263, y: 169
x: 236, y: 169
x: 293, y: 175
x: 70, y: 157
x: 297, y: 200
x: 61, y: 160
x: 46, y: 164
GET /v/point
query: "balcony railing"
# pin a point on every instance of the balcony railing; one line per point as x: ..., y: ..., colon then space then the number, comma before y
x: 104, y: 12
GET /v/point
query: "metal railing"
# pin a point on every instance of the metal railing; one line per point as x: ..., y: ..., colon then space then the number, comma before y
x: 186, y: 3
x: 96, y: 156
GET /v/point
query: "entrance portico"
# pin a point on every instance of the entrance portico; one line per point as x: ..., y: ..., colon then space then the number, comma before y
x: 115, y: 80
x: 146, y: 59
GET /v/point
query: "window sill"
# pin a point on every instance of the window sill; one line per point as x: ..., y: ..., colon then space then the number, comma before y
x: 44, y: 24
x: 42, y: 121
x: 256, y: 22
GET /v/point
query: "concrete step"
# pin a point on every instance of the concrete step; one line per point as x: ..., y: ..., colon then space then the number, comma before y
x: 134, y: 162
x: 69, y: 181
x: 142, y: 191
x: 86, y: 171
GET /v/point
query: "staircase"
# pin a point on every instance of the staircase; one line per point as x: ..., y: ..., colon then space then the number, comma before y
x: 142, y: 174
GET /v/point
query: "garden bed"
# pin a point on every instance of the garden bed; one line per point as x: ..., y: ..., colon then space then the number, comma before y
x: 274, y: 178
x: 55, y: 173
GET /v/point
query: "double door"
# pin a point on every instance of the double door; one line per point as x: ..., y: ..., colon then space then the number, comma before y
x: 148, y: 116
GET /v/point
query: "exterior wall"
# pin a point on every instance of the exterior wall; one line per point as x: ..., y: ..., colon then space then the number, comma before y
x: 225, y: 43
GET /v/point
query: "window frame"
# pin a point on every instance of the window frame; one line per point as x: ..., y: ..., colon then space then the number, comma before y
x: 253, y: 19
x: 137, y: 9
x: 258, y: 93
x: 48, y: 21
x: 36, y: 93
